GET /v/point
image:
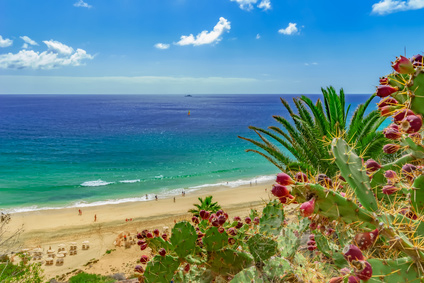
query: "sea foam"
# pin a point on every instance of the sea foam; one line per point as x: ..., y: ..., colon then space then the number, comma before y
x: 97, y: 183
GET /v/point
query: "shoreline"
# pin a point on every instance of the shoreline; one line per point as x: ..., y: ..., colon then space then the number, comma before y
x: 151, y: 197
x: 49, y: 228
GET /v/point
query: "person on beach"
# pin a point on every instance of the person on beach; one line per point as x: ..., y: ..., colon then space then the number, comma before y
x: 95, y: 217
x: 156, y: 197
x: 146, y: 196
x: 79, y: 212
x: 174, y: 199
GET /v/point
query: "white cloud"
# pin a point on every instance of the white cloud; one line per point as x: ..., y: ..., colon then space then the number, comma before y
x: 265, y: 5
x: 258, y: 36
x: 248, y: 4
x: 162, y: 46
x: 57, y: 55
x: 313, y: 63
x: 392, y: 6
x: 81, y: 3
x: 5, y: 42
x: 57, y: 47
x: 206, y: 37
x: 289, y: 30
x: 28, y: 41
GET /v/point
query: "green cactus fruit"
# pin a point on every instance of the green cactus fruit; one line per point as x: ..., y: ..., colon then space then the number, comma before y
x: 332, y: 205
x: 417, y: 195
x: 272, y: 219
x: 228, y: 261
x: 161, y: 269
x: 262, y: 247
x: 213, y: 240
x: 183, y: 238
x: 397, y: 270
x: 351, y: 168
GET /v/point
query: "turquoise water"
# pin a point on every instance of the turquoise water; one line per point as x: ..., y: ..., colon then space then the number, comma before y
x: 58, y: 151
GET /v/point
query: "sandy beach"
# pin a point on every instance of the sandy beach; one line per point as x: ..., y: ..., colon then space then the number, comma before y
x: 50, y: 228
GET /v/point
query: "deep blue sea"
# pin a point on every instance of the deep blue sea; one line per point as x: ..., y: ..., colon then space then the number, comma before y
x: 79, y: 150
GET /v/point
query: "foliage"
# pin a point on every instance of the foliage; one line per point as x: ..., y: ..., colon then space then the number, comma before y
x: 306, y: 138
x: 205, y: 204
x: 88, y: 278
x: 22, y: 273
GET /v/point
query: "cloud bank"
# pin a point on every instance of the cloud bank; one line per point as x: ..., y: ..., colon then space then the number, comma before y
x: 206, y: 37
x: 57, y: 55
x: 385, y: 7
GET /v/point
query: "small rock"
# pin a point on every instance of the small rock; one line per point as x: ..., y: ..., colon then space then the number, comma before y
x: 118, y: 276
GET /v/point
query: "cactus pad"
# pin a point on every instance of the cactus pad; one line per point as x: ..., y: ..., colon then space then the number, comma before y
x: 261, y: 247
x: 272, y: 219
x: 183, y: 238
x: 161, y: 269
x: 214, y: 240
x: 229, y: 261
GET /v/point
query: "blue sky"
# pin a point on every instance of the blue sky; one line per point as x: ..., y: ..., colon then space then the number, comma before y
x: 202, y: 46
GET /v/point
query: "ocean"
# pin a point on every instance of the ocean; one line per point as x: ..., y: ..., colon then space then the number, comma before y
x: 83, y: 150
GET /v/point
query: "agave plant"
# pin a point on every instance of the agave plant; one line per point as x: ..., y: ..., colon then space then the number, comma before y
x: 205, y: 204
x: 304, y: 144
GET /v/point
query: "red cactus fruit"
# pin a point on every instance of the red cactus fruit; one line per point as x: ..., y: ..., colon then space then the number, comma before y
x: 417, y: 60
x: 149, y: 235
x: 214, y: 221
x: 226, y: 215
x: 286, y: 199
x: 195, y: 220
x: 280, y: 190
x: 329, y: 231
x: 312, y: 248
x: 352, y: 252
x: 371, y: 165
x: 199, y: 242
x: 408, y: 171
x: 343, y: 194
x: 391, y: 148
x: 366, y: 240
x: 301, y: 177
x: 141, y: 242
x: 353, y: 279
x: 324, y: 180
x: 237, y: 218
x: 313, y: 226
x: 221, y: 219
x: 139, y: 236
x: 200, y: 235
x: 221, y: 229
x: 312, y: 237
x: 239, y: 224
x: 162, y: 252
x: 247, y: 220
x: 143, y: 247
x: 156, y: 232
x: 386, y: 90
x: 402, y: 114
x: 402, y: 65
x: 139, y: 269
x: 232, y: 231
x: 164, y: 236
x: 384, y: 81
x: 202, y: 214
x: 389, y: 189
x: 365, y: 272
x: 219, y: 212
x: 388, y: 101
x: 256, y: 220
x: 231, y: 241
x: 187, y: 268
x: 144, y: 259
x: 311, y: 243
x: 412, y: 124
x: 307, y: 208
x: 408, y: 213
x: 284, y: 179
x: 392, y: 134
x: 144, y: 233
x: 390, y: 175
x: 336, y: 280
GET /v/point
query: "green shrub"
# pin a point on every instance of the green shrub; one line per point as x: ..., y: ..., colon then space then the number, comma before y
x: 88, y: 278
